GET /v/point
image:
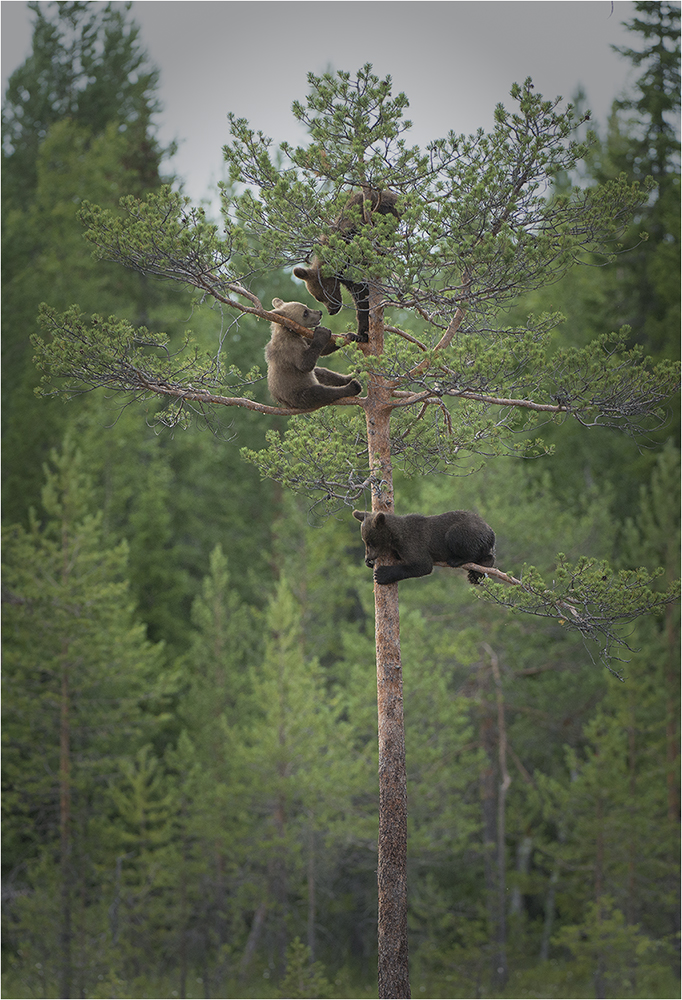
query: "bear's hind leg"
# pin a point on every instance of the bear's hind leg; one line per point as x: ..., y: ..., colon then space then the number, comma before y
x: 360, y: 295
x: 470, y: 550
x: 327, y: 377
x: 322, y: 395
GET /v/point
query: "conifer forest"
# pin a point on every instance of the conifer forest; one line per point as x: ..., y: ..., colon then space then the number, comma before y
x: 236, y: 762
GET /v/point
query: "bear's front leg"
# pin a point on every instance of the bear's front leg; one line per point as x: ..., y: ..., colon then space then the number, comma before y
x: 321, y: 338
x: 403, y: 571
x: 331, y: 344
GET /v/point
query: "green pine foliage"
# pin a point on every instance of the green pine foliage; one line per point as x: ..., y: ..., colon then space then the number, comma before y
x: 83, y: 688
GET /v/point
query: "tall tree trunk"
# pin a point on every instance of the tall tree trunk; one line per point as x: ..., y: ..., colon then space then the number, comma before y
x: 311, y: 888
x: 550, y: 900
x: 65, y: 827
x: 278, y: 877
x: 524, y: 849
x: 488, y: 806
x: 548, y: 924
x: 393, y: 970
x: 487, y: 789
x: 672, y: 681
x: 505, y: 782
x: 252, y: 940
x: 631, y: 905
x: 184, y: 921
x: 598, y: 894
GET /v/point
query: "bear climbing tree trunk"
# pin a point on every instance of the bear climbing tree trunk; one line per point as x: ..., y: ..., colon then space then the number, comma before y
x: 393, y: 971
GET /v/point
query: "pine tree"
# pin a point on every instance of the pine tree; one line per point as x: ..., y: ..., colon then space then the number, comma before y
x: 82, y: 684
x: 476, y: 230
x: 213, y: 825
x: 77, y: 123
x: 303, y: 978
x: 86, y: 66
x: 300, y: 770
x: 643, y: 140
x: 656, y: 102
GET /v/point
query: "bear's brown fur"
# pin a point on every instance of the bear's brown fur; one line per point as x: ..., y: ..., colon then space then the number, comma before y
x: 417, y: 541
x: 293, y: 379
x: 327, y: 288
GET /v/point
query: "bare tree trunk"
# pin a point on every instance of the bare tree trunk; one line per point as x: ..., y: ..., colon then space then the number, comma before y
x: 548, y: 925
x: 505, y: 782
x: 311, y: 888
x: 278, y: 877
x: 672, y: 678
x: 65, y: 828
x: 393, y: 971
x: 252, y: 940
x: 599, y: 893
x: 489, y: 812
x: 631, y: 905
x: 550, y: 901
x: 487, y: 791
x: 184, y: 921
x: 392, y: 845
x: 524, y: 850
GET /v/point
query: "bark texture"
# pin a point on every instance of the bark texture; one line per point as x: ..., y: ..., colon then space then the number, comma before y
x: 393, y: 970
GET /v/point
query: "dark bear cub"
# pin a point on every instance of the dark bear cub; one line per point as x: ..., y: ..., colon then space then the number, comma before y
x: 327, y: 288
x: 293, y: 378
x: 417, y: 541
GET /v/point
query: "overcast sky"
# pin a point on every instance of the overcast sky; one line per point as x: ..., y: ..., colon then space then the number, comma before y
x: 454, y: 60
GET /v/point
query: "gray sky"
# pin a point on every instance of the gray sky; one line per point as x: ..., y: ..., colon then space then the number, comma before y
x: 454, y: 60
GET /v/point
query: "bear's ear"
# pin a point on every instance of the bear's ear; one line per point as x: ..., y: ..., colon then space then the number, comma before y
x: 303, y: 273
x: 277, y: 303
x: 379, y: 520
x: 359, y: 515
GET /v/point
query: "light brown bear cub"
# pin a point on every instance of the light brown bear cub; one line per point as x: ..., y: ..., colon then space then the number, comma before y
x: 417, y: 541
x: 326, y: 288
x: 293, y: 379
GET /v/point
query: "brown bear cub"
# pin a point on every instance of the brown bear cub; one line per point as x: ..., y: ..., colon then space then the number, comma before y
x: 293, y: 379
x: 418, y: 541
x: 327, y: 288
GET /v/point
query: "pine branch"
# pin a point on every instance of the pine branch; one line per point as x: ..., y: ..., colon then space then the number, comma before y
x: 589, y: 598
x: 112, y: 354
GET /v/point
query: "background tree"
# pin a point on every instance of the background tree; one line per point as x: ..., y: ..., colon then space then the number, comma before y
x: 87, y: 66
x: 78, y: 122
x: 88, y: 688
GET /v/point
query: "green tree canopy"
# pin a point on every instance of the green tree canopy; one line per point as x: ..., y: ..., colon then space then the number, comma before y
x: 87, y: 65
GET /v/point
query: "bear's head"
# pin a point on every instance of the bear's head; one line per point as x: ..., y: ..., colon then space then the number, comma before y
x: 375, y: 533
x: 325, y: 289
x: 300, y: 313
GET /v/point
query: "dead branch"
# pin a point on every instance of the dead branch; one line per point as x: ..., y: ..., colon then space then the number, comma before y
x: 406, y: 398
x: 456, y: 320
x: 405, y: 336
x: 501, y: 401
x: 487, y: 571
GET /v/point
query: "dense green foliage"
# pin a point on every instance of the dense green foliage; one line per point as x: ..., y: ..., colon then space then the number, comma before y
x: 189, y: 741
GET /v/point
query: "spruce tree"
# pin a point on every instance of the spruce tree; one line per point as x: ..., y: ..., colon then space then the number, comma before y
x: 643, y: 140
